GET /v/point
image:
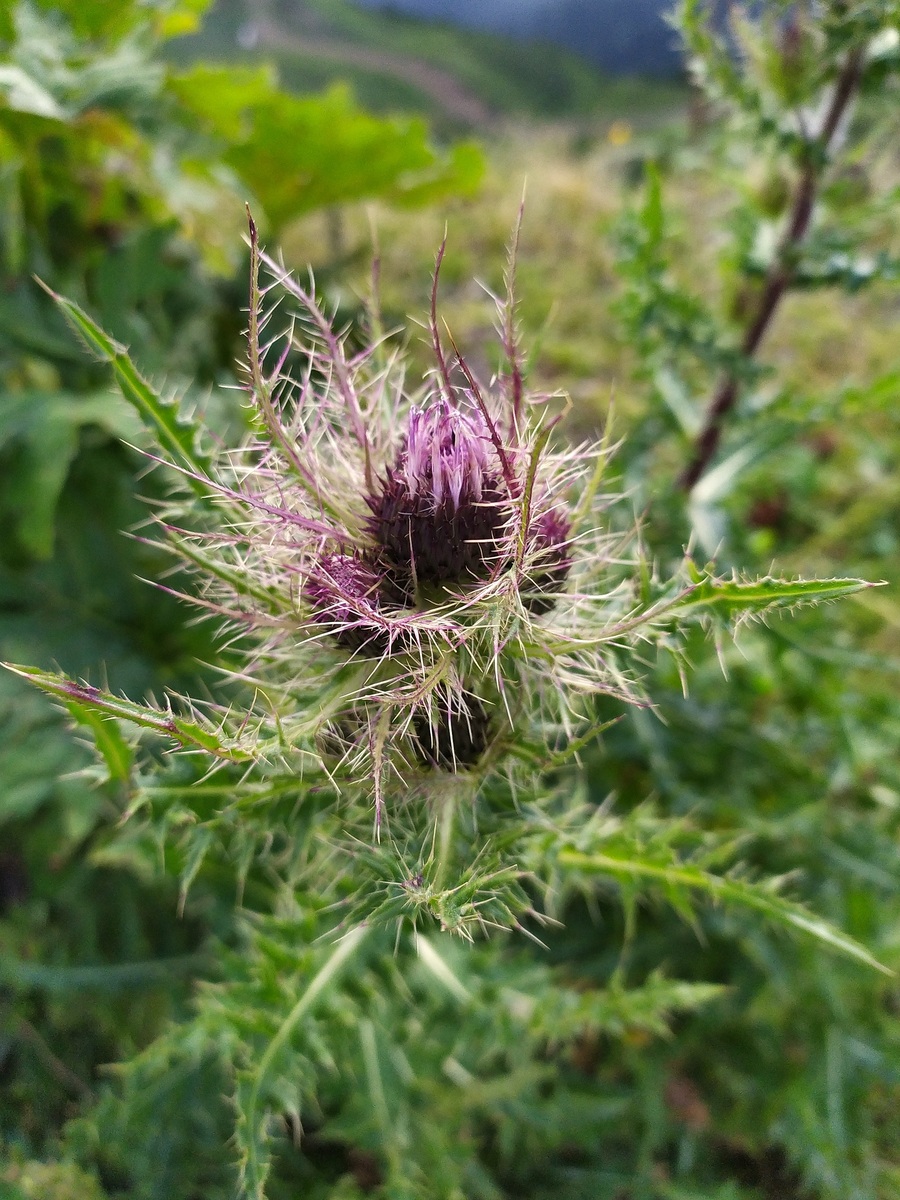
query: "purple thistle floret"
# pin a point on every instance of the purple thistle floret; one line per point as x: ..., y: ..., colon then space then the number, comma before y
x: 446, y: 455
x: 441, y: 514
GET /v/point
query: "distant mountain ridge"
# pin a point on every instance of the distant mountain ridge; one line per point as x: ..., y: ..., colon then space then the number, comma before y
x: 627, y: 37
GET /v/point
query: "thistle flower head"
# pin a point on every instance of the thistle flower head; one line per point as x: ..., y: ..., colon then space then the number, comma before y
x: 425, y: 559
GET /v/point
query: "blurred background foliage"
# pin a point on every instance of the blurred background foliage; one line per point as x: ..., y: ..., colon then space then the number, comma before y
x: 726, y: 1063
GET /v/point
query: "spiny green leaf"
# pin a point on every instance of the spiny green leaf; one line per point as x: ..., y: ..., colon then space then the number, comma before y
x: 109, y: 740
x: 178, y: 437
x: 565, y: 1013
x: 728, y: 889
x: 87, y: 704
x: 730, y: 598
x: 255, y: 1164
x: 210, y: 565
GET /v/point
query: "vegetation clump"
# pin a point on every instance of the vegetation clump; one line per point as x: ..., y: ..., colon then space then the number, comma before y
x: 504, y: 846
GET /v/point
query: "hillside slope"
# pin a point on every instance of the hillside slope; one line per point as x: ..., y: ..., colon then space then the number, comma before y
x: 399, y: 63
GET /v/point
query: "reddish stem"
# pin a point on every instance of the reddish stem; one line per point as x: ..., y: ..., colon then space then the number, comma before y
x: 779, y: 278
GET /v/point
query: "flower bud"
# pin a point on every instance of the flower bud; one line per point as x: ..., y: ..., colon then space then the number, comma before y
x: 552, y: 561
x: 442, y: 512
x: 343, y: 593
x: 455, y: 734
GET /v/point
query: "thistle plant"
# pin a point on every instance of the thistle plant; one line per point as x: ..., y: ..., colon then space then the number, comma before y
x: 419, y: 588
x: 422, y: 589
x: 802, y: 99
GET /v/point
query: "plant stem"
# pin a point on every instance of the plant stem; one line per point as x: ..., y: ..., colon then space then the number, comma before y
x: 445, y: 837
x: 780, y: 274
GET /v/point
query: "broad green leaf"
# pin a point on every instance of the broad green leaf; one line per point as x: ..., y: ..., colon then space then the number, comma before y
x: 44, y: 428
x: 179, y: 17
x: 33, y: 482
x: 299, y: 153
x: 82, y: 699
x: 222, y: 98
x: 101, y: 19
